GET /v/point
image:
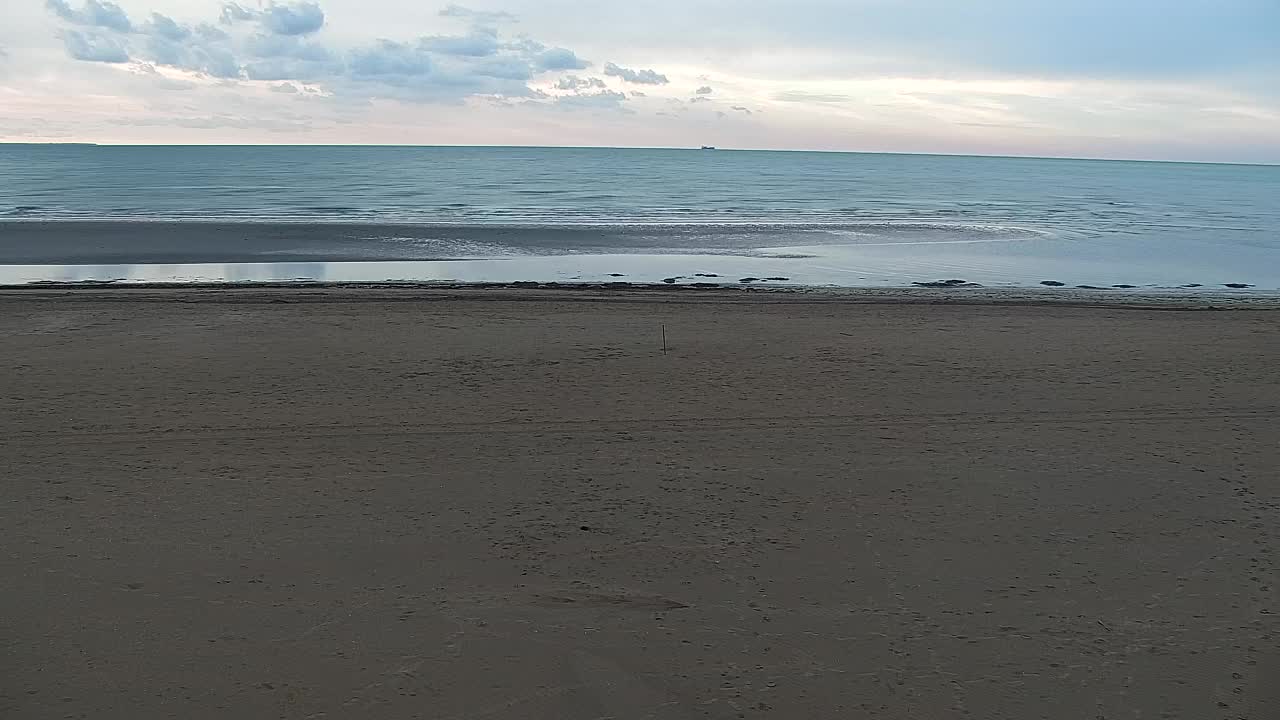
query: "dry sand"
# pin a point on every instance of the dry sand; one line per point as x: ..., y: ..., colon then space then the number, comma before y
x: 510, y: 504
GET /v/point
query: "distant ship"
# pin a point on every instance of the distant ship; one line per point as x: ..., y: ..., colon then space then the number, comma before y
x: 708, y: 147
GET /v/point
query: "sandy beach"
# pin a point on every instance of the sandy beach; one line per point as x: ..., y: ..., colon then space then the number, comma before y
x: 506, y: 503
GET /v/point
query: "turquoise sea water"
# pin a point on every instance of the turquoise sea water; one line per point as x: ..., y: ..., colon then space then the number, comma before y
x: 472, y: 214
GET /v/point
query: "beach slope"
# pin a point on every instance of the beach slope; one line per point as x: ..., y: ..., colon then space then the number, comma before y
x: 471, y: 504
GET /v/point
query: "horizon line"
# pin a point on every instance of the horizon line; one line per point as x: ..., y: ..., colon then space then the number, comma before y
x: 647, y: 147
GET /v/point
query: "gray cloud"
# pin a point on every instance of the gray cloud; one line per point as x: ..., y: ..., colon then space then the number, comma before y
x: 276, y: 43
x: 605, y: 99
x: 165, y: 27
x: 389, y: 59
x: 287, y: 46
x: 208, y: 59
x: 210, y: 32
x: 705, y: 90
x: 477, y: 44
x: 503, y: 68
x: 637, y: 93
x: 302, y: 18
x: 557, y: 59
x: 699, y: 99
x: 741, y: 109
x: 94, y: 47
x: 573, y: 82
x: 639, y: 77
x: 94, y: 14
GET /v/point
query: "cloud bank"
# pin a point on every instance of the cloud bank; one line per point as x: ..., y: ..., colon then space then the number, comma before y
x: 284, y: 42
x: 1086, y: 77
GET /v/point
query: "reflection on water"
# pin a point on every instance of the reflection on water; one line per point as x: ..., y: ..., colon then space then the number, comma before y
x: 268, y: 272
x: 1026, y: 265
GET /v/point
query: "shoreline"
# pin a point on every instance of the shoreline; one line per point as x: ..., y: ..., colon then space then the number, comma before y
x: 315, y: 292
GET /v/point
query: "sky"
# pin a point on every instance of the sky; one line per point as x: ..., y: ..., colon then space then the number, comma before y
x: 1144, y: 79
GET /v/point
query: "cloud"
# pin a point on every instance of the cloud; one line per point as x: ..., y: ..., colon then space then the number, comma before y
x: 741, y: 109
x: 209, y: 59
x: 219, y: 120
x: 699, y: 99
x: 705, y: 90
x: 94, y: 14
x: 390, y: 61
x: 301, y: 18
x: 164, y: 27
x: 233, y: 13
x: 800, y: 96
x: 639, y: 77
x: 210, y: 32
x: 557, y: 59
x: 605, y: 99
x: 282, y: 49
x: 477, y: 44
x: 573, y: 82
x: 94, y: 47
x: 637, y: 93
x: 482, y: 17
x: 287, y: 46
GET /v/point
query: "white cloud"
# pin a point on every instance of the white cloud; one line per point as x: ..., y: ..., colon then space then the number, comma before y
x: 481, y: 17
x: 801, y: 96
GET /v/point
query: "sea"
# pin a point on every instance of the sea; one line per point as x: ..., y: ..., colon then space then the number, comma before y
x: 87, y: 213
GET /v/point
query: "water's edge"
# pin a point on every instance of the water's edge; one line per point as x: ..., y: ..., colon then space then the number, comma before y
x: 346, y: 292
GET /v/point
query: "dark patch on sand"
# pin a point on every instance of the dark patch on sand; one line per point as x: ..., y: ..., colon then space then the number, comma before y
x: 947, y: 284
x: 608, y: 600
x: 1124, y: 287
x: 1237, y: 286
x: 1052, y: 283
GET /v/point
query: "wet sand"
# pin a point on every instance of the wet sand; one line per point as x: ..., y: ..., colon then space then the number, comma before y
x: 316, y: 502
